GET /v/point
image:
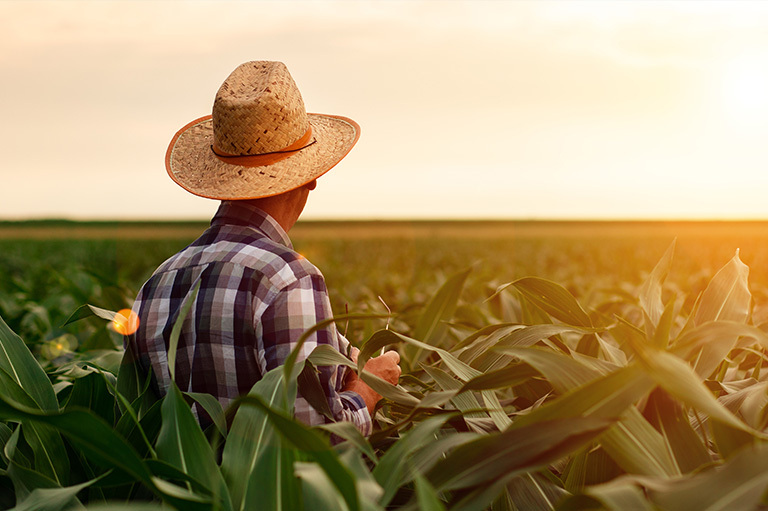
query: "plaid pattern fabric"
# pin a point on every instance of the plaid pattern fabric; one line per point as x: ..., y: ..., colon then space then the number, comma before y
x: 257, y: 296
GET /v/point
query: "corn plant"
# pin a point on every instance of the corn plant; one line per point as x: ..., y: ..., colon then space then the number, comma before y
x: 528, y: 400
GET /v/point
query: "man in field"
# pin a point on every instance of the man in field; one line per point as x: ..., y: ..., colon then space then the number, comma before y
x: 260, y: 153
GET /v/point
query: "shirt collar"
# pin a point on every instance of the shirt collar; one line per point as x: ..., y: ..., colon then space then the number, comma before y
x: 243, y: 213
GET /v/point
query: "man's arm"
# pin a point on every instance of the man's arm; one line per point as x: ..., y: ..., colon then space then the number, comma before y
x: 384, y: 366
x: 294, y: 310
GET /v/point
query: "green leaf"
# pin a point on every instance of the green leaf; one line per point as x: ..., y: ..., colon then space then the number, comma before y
x: 274, y: 466
x: 312, y: 444
x: 167, y: 472
x: 632, y: 442
x: 466, y: 402
x: 140, y: 432
x: 212, y: 407
x: 173, y: 342
x: 677, y: 378
x: 672, y: 422
x: 85, y: 311
x: 54, y: 499
x: 727, y: 297
x: 650, y: 291
x: 87, y: 432
x: 513, y: 451
x: 604, y: 397
x: 392, y: 470
x: 535, y: 491
x: 10, y: 389
x: 708, y: 344
x: 18, y: 362
x: 51, y: 499
x: 91, y: 392
x: 388, y: 391
x: 254, y: 459
x: 317, y: 490
x: 523, y: 338
x: 133, y: 506
x: 347, y: 431
x: 427, y: 496
x: 562, y: 372
x: 432, y: 324
x: 738, y: 484
x: 505, y: 377
x: 660, y: 339
x: 618, y: 495
x: 51, y: 457
x: 182, y: 444
x: 133, y: 382
x: 311, y: 389
x: 553, y: 299
x: 291, y: 359
x: 325, y: 355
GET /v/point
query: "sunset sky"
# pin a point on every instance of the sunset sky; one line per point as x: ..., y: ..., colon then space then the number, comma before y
x: 524, y: 110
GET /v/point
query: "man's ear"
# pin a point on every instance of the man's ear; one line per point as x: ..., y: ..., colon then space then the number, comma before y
x: 311, y: 185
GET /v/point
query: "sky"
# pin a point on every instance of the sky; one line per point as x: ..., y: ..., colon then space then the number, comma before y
x: 469, y: 110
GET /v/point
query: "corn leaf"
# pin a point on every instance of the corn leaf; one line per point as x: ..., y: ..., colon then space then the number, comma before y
x: 254, y: 459
x: 671, y: 420
x: 312, y: 444
x: 427, y: 496
x: 516, y: 450
x: 727, y: 296
x: 618, y: 495
x: 348, y: 432
x: 739, y: 484
x: 181, y: 444
x: 90, y: 434
x: 553, y: 299
x: 18, y: 362
x: 650, y: 292
x: 632, y: 442
x: 432, y: 324
x: 212, y: 407
x: 173, y: 341
x: 318, y: 492
x: 54, y: 499
x: 392, y: 470
x: 677, y: 378
x: 51, y: 457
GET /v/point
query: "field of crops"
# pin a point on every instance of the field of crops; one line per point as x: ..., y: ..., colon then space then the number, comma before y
x: 546, y: 365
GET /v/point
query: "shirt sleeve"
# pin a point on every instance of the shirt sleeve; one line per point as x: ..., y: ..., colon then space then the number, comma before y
x: 294, y: 310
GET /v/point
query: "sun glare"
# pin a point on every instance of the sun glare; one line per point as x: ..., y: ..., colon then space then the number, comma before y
x: 745, y: 89
x: 126, y: 322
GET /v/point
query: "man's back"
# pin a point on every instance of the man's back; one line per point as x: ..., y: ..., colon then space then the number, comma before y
x: 257, y: 296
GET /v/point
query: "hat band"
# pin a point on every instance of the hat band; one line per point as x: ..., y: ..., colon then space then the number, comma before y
x: 260, y: 160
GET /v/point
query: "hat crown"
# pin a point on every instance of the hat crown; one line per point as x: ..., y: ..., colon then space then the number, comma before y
x: 258, y: 109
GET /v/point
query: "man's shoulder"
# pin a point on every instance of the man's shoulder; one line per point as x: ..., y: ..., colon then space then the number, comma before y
x: 247, y: 248
x: 279, y: 263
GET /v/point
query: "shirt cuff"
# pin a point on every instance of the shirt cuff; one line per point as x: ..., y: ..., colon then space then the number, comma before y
x: 355, y: 406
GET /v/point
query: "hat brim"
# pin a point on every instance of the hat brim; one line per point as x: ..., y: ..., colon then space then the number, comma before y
x: 192, y: 164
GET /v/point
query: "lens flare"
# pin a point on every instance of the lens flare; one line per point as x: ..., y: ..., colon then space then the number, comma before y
x: 126, y: 322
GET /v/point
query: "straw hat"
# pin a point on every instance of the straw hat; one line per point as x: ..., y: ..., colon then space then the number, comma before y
x: 260, y: 141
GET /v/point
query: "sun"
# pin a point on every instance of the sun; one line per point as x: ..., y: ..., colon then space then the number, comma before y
x: 745, y: 89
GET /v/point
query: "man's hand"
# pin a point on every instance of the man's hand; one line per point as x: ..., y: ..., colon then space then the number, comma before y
x: 385, y: 367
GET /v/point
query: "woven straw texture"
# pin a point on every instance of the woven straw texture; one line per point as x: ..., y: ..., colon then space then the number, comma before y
x: 257, y: 110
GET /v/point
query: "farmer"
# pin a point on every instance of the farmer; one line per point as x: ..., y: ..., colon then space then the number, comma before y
x: 260, y: 153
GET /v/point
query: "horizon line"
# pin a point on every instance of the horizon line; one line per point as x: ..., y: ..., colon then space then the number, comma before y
x: 65, y: 220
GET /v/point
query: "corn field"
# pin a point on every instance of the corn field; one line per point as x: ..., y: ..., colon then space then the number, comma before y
x: 521, y: 395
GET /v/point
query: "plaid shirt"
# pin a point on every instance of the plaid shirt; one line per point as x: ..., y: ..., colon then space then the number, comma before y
x: 257, y: 296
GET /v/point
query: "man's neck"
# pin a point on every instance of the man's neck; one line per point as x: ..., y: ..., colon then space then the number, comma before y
x: 285, y: 208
